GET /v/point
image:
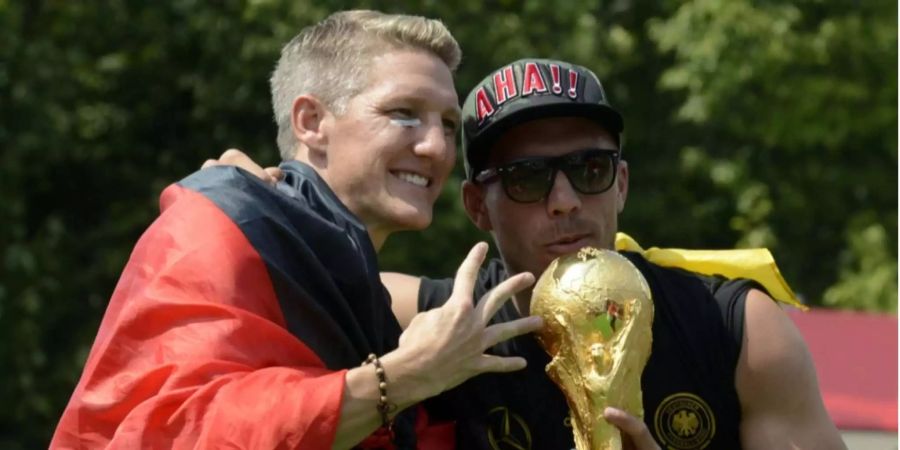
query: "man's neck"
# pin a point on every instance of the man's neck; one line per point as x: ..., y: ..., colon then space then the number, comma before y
x: 377, y: 236
x: 522, y: 302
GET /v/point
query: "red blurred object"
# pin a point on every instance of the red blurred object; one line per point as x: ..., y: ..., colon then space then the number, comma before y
x: 856, y: 360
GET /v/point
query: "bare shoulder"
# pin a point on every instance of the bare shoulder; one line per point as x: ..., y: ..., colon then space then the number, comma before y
x: 777, y: 384
x: 772, y: 344
x: 404, y: 290
x: 399, y: 281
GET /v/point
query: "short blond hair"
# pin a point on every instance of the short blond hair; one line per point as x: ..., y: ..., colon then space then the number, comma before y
x: 330, y: 60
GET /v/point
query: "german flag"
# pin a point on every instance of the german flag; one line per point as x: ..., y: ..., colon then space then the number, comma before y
x: 234, y: 322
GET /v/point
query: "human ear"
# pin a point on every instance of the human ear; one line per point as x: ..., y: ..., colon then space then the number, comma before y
x: 473, y: 201
x: 309, y: 121
x: 621, y: 185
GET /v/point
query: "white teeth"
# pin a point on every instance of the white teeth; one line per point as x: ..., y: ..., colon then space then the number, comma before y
x: 417, y: 180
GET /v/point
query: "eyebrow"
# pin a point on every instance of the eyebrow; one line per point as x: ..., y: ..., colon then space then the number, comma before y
x: 417, y: 100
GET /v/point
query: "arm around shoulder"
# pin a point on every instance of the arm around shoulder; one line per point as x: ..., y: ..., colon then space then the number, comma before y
x: 776, y: 382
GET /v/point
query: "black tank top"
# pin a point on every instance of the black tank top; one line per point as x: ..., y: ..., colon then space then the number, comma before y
x: 689, y: 397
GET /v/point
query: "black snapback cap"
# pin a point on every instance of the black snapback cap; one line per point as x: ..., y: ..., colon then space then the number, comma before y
x: 525, y: 90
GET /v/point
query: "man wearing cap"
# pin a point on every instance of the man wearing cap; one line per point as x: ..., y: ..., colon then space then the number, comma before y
x: 546, y: 176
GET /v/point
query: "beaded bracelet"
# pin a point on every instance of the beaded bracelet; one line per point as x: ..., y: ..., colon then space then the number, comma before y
x: 384, y: 407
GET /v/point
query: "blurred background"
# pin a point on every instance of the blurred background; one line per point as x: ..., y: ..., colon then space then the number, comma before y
x: 748, y: 123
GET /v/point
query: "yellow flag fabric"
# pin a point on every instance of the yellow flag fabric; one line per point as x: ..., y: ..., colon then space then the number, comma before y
x: 756, y: 264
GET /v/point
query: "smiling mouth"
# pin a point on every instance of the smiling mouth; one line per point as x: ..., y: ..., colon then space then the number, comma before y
x: 412, y: 178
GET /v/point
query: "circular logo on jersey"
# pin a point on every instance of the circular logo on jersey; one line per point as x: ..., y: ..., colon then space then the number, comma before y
x: 684, y: 421
x: 507, y: 430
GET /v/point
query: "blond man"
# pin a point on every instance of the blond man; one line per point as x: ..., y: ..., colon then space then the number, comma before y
x: 252, y: 316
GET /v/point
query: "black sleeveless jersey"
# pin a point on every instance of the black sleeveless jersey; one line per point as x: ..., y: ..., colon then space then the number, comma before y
x: 689, y: 397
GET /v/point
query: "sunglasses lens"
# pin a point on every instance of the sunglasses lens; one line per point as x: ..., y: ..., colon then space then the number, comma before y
x: 526, y: 181
x: 591, y: 173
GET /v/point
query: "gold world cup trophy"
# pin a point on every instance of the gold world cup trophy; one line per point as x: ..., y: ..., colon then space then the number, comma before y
x: 598, y: 313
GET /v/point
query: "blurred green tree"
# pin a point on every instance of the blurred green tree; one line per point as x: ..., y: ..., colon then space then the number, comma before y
x: 795, y: 105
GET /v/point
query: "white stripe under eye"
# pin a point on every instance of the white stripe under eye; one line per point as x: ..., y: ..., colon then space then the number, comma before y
x: 407, y: 122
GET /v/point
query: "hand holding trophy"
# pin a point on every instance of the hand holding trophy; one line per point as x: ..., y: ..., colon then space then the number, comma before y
x: 598, y: 312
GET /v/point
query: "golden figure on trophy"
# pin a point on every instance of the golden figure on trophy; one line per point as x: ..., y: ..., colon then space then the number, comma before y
x: 598, y: 313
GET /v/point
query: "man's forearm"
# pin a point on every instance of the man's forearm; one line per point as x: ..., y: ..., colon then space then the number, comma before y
x: 359, y: 412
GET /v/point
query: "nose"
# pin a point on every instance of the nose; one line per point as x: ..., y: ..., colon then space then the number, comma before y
x: 563, y: 199
x: 434, y: 143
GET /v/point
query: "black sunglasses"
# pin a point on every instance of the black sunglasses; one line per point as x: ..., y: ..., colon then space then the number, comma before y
x: 529, y: 180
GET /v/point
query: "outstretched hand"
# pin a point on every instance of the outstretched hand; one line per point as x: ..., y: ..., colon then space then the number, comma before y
x: 235, y: 157
x: 447, y: 344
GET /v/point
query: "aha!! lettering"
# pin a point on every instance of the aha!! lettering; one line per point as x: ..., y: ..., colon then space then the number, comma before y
x: 533, y: 82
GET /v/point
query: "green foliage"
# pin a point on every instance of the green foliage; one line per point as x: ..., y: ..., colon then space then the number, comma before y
x: 748, y: 123
x: 868, y: 272
x: 797, y: 103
